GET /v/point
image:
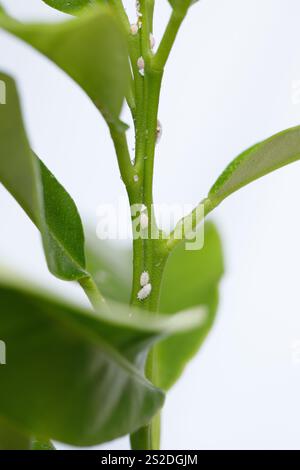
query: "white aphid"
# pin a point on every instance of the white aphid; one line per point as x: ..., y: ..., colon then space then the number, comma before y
x: 134, y: 29
x: 158, y: 131
x: 145, y: 278
x: 144, y: 221
x: 136, y: 178
x: 152, y: 41
x: 141, y: 65
x: 144, y: 292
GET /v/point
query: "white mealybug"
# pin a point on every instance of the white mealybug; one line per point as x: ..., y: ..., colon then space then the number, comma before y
x: 152, y: 41
x: 141, y: 65
x: 134, y: 29
x: 145, y: 278
x: 144, y: 292
x: 136, y: 178
x: 158, y: 131
x: 144, y: 221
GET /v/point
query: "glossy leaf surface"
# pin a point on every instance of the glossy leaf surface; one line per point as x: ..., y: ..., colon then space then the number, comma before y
x: 259, y: 160
x: 71, y: 6
x: 91, y: 49
x: 38, y: 192
x: 71, y: 374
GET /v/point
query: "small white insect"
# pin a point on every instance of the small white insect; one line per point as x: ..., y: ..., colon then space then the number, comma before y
x: 134, y: 29
x: 136, y: 178
x: 152, y: 41
x: 145, y: 278
x: 141, y: 65
x: 144, y: 292
x: 144, y: 221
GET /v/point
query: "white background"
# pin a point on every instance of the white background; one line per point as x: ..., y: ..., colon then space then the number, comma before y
x: 228, y: 85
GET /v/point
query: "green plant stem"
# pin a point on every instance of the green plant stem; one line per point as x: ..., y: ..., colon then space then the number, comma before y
x: 151, y: 253
x: 150, y: 4
x: 187, y: 226
x: 148, y: 437
x: 123, y: 156
x: 93, y: 293
x: 169, y: 37
x: 148, y: 251
x: 146, y: 29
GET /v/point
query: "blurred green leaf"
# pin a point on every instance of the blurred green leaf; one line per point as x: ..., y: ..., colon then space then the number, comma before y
x: 91, y: 49
x: 42, y: 445
x: 259, y: 160
x: 191, y: 278
x: 181, y: 3
x: 12, y: 438
x: 74, y: 7
x: 71, y: 374
x: 111, y: 268
x: 37, y: 191
x: 71, y: 6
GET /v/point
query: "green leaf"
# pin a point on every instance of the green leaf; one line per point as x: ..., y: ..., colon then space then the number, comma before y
x: 259, y: 160
x: 178, y: 4
x: 37, y: 444
x: 12, y: 438
x: 71, y: 375
x: 91, y: 49
x: 191, y: 278
x: 111, y: 268
x: 37, y: 191
x: 71, y: 6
